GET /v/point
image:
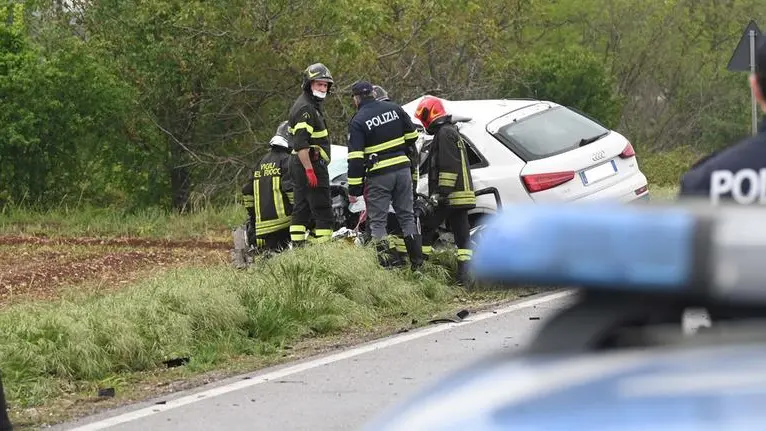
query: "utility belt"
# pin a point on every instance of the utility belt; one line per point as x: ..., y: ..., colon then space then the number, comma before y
x: 379, y: 163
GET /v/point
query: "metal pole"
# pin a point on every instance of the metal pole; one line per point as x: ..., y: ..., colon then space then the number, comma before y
x: 752, y: 93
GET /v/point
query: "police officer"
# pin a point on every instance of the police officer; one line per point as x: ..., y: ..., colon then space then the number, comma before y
x: 450, y: 185
x: 268, y: 197
x: 380, y: 135
x: 397, y: 245
x: 734, y: 174
x: 311, y: 155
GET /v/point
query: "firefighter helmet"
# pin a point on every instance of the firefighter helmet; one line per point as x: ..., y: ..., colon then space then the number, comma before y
x: 429, y: 109
x: 281, y: 138
x: 380, y: 93
x: 317, y: 72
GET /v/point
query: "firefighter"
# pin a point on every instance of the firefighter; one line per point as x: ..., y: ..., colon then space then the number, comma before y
x: 310, y: 158
x: 380, y: 136
x: 450, y: 186
x: 269, y: 195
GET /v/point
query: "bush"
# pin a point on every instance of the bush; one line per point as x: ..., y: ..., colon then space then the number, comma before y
x: 572, y: 76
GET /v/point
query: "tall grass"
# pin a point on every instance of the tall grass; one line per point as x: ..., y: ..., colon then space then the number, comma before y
x: 208, y: 315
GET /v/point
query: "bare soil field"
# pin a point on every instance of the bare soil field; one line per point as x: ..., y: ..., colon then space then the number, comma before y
x: 36, y: 267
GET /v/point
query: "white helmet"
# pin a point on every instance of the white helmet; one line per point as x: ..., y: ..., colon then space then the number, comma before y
x: 281, y: 139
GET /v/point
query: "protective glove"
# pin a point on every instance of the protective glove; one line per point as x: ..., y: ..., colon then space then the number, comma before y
x: 352, y: 199
x: 438, y: 200
x: 312, y: 178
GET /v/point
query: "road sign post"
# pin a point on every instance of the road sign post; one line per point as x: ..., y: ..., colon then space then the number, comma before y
x: 742, y: 62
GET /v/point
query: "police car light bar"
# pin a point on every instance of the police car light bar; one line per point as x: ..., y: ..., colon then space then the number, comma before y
x: 719, y: 253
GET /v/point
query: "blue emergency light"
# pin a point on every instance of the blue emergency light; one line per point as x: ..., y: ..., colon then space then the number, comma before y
x: 609, y: 245
x: 718, y: 253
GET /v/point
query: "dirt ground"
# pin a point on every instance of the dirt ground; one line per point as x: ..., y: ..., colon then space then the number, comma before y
x: 39, y: 267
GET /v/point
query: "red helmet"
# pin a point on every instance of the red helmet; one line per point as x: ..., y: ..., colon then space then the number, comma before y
x: 429, y: 109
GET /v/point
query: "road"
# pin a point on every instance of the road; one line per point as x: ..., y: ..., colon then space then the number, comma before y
x: 341, y: 391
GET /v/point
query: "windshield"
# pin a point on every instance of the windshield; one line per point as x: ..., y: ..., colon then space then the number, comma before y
x: 553, y: 131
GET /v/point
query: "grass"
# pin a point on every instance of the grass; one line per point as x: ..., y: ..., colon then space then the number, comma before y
x: 210, y: 222
x: 210, y: 315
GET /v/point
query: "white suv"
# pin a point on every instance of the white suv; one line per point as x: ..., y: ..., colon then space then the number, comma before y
x: 525, y: 149
x: 541, y: 151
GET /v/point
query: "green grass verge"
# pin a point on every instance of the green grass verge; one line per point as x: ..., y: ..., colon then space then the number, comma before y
x: 210, y: 222
x: 209, y: 315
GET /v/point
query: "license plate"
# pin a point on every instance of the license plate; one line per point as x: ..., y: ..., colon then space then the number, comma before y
x: 598, y: 173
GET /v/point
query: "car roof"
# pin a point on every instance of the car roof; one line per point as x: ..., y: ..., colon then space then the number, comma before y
x: 704, y: 388
x: 480, y: 110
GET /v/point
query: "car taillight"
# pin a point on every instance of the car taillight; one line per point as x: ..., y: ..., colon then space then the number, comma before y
x: 539, y: 182
x: 628, y: 152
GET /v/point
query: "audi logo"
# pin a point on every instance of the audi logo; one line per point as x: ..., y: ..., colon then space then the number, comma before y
x: 598, y: 156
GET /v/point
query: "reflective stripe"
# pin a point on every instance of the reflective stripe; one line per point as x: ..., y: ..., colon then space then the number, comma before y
x: 355, y: 181
x: 412, y: 135
x: 259, y: 243
x: 390, y: 162
x: 257, y: 201
x: 321, y: 235
x: 272, y: 226
x: 464, y: 254
x: 356, y: 155
x: 466, y: 186
x: 385, y: 146
x: 309, y: 128
x: 279, y: 204
x: 448, y: 176
x: 447, y: 182
x: 297, y: 232
x: 248, y: 201
x: 291, y: 197
x: 427, y: 249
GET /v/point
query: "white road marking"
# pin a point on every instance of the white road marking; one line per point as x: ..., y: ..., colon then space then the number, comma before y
x: 314, y: 363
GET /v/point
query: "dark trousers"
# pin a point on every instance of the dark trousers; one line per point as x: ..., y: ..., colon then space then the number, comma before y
x: 310, y: 203
x: 457, y: 219
x: 276, y: 241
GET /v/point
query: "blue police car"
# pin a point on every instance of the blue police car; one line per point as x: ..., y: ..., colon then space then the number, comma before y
x: 617, y: 359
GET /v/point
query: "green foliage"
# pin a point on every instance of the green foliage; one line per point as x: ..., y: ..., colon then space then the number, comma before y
x: 209, y: 315
x: 572, y: 76
x: 137, y: 104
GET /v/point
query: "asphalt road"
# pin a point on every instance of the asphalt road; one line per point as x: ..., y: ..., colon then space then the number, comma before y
x: 340, y: 391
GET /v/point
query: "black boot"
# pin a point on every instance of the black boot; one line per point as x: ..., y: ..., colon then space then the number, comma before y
x: 414, y: 250
x: 463, y: 278
x: 385, y: 257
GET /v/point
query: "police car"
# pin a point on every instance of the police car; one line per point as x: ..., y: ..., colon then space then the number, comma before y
x: 530, y: 150
x: 606, y: 363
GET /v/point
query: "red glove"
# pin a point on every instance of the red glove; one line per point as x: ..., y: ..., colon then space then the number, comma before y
x: 312, y: 177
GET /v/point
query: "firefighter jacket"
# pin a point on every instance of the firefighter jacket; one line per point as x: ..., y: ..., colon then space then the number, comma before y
x: 270, y: 192
x: 448, y: 171
x: 307, y: 128
x: 381, y: 139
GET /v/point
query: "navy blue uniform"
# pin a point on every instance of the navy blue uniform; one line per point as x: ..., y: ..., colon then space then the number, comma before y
x: 733, y: 174
x: 381, y: 144
x: 381, y: 139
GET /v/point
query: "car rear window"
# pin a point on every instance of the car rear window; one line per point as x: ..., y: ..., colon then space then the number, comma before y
x: 553, y: 131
